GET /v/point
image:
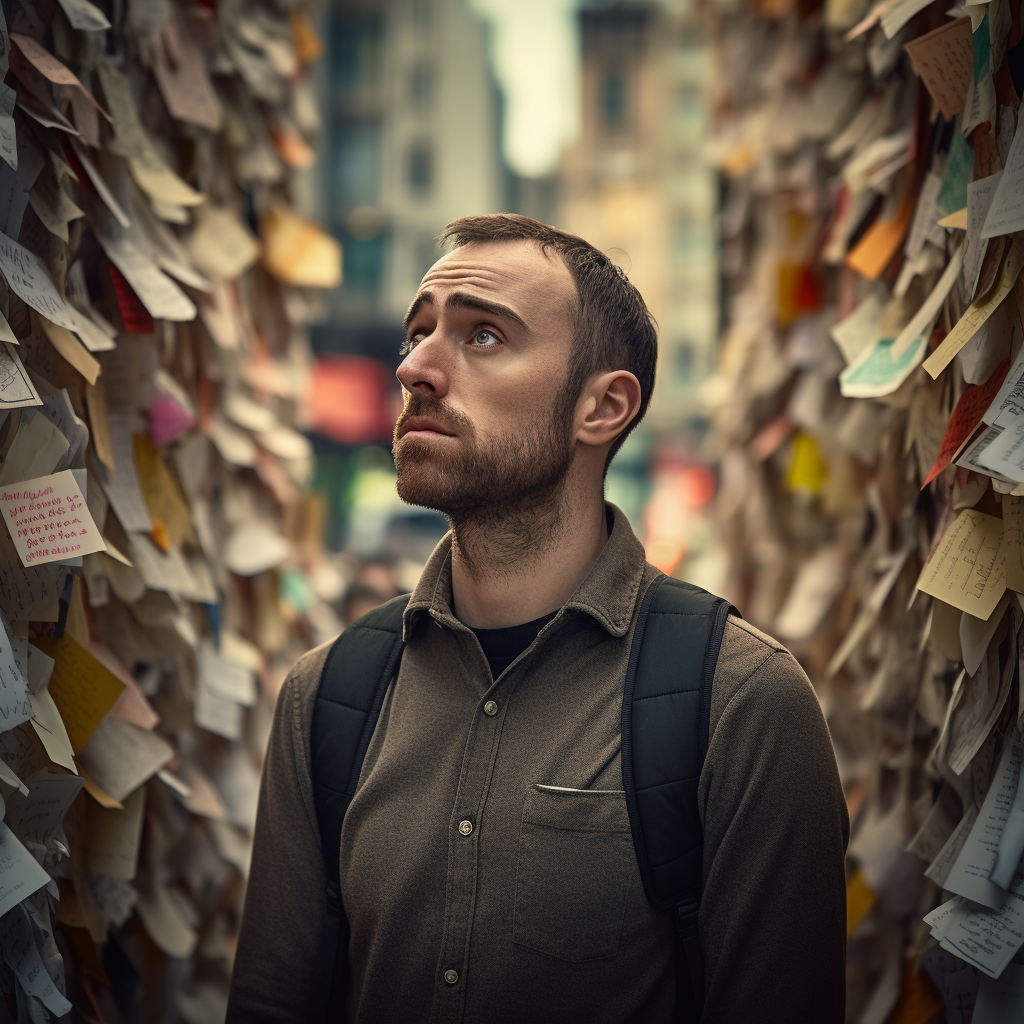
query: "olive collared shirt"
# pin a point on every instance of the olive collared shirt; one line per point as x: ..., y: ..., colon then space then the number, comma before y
x: 487, y: 867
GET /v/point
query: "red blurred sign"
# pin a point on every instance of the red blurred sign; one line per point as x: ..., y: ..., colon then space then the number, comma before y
x: 350, y: 400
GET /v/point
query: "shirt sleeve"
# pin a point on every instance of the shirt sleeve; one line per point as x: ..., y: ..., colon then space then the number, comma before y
x: 284, y: 961
x: 773, y: 912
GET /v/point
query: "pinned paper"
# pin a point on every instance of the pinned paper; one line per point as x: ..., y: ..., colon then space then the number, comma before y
x: 967, y: 569
x: 48, y: 519
x: 82, y: 689
x: 21, y: 875
x: 944, y: 58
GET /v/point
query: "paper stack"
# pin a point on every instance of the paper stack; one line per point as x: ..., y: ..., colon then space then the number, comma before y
x: 158, y: 552
x: 868, y: 414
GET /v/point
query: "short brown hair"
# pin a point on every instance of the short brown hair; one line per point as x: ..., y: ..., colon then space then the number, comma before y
x: 612, y: 326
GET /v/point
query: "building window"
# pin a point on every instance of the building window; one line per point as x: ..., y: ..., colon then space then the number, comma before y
x: 421, y: 87
x: 613, y: 101
x: 421, y: 168
x: 356, y: 163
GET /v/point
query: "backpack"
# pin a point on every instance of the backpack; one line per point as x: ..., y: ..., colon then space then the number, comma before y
x: 666, y: 705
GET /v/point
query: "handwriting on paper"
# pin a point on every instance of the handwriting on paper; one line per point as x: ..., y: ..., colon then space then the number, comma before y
x: 49, y: 520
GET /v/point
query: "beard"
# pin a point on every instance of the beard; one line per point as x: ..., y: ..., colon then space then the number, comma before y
x: 511, y: 485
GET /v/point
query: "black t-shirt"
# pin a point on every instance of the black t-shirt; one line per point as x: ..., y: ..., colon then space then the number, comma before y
x: 503, y: 646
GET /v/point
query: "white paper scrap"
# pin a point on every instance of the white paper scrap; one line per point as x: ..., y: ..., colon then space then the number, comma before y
x: 23, y: 957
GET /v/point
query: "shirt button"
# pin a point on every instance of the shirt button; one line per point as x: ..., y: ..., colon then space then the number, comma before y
x: 451, y: 977
x: 465, y: 827
x: 490, y: 708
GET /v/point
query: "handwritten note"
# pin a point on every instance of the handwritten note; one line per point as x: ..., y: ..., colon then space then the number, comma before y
x: 20, y: 873
x: 51, y: 68
x: 48, y: 519
x: 23, y: 957
x: 944, y: 59
x: 31, y: 282
x: 979, y: 201
x: 1007, y: 211
x: 40, y: 813
x: 1001, y: 999
x: 120, y: 756
x: 113, y: 837
x: 83, y: 689
x: 967, y: 569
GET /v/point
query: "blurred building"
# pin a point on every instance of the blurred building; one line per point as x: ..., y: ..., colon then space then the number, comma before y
x: 635, y: 185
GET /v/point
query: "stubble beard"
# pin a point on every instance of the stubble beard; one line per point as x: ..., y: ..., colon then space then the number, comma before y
x: 503, y: 499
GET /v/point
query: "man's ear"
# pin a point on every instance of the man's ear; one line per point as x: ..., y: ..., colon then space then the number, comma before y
x: 609, y: 403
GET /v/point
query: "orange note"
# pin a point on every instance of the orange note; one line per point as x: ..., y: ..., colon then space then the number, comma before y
x: 881, y: 242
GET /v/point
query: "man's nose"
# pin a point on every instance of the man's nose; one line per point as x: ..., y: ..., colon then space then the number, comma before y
x: 425, y: 368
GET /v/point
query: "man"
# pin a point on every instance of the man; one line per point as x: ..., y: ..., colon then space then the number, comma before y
x: 487, y: 872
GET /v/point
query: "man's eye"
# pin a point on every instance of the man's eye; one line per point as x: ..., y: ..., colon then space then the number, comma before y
x: 410, y: 343
x: 486, y: 339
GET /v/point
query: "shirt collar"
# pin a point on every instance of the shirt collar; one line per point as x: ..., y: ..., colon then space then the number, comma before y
x: 607, y: 593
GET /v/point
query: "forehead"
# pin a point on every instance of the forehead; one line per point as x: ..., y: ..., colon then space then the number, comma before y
x: 520, y: 273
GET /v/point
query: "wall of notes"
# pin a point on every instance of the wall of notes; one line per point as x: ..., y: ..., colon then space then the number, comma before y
x: 869, y: 422
x: 159, y: 559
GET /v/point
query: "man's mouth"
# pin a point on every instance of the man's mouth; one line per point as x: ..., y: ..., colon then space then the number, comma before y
x: 423, y: 426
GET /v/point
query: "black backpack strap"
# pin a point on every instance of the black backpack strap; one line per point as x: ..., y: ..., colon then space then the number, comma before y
x: 666, y: 711
x: 355, y: 678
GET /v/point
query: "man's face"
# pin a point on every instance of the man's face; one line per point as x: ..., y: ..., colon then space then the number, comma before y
x: 488, y: 338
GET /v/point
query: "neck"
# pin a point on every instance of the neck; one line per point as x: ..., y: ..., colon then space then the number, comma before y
x: 522, y: 566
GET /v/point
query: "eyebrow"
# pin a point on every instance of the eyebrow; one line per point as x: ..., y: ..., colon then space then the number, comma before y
x: 462, y: 300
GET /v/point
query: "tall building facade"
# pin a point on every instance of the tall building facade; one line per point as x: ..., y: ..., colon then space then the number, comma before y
x: 634, y: 182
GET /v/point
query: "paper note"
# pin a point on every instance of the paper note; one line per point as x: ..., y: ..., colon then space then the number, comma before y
x: 1006, y: 214
x: 50, y: 729
x: 83, y: 690
x: 37, y: 449
x: 877, y: 373
x: 981, y: 100
x: 897, y: 13
x: 971, y: 874
x: 220, y: 245
x: 15, y: 703
x: 20, y: 873
x: 217, y: 715
x: 23, y: 957
x: 1001, y: 1000
x: 979, y: 200
x: 48, y: 65
x: 231, y: 681
x: 859, y: 330
x: 987, y: 939
x: 967, y: 569
x: 944, y: 59
x: 120, y: 756
x: 48, y: 519
x: 959, y: 168
x: 71, y: 349
x: 168, y: 509
x: 39, y: 813
x: 122, y: 486
x: 31, y: 282
x: 871, y: 255
x: 84, y: 15
x: 921, y: 323
x: 977, y: 313
x: 185, y: 82
x: 299, y: 252
x: 113, y: 837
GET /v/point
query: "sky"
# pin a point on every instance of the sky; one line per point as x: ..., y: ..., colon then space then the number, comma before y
x: 536, y: 61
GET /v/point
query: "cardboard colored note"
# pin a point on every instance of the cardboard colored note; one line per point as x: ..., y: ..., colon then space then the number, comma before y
x: 185, y: 82
x: 113, y: 837
x: 82, y: 688
x: 20, y: 873
x: 220, y: 245
x: 966, y: 416
x: 120, y: 756
x: 72, y: 350
x: 23, y: 957
x: 1006, y: 214
x: 967, y: 569
x: 871, y: 255
x: 51, y: 68
x: 944, y: 60
x: 48, y: 519
x: 977, y: 313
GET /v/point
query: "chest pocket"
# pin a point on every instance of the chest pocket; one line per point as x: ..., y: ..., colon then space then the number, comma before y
x: 574, y: 863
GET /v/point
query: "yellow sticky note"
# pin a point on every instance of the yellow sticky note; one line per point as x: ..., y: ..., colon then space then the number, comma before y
x: 968, y: 568
x: 808, y: 471
x: 860, y: 898
x: 83, y: 689
x: 172, y: 520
